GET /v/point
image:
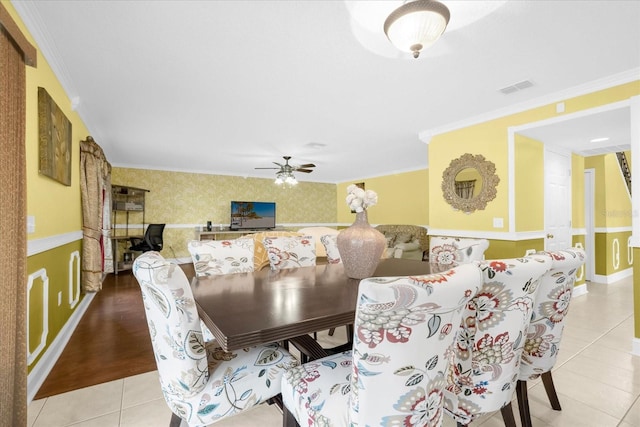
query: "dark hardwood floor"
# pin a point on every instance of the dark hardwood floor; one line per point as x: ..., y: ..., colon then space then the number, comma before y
x: 111, y: 341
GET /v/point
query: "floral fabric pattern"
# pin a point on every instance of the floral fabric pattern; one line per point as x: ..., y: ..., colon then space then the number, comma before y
x: 450, y: 250
x: 213, y: 257
x: 201, y: 383
x: 290, y: 252
x: 485, y: 359
x: 395, y: 373
x: 550, y: 309
x: 330, y: 243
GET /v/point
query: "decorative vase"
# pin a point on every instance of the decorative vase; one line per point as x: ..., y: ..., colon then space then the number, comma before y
x: 360, y: 247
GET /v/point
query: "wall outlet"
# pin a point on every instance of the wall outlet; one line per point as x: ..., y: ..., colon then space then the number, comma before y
x: 31, y: 224
x: 59, y: 298
x: 560, y: 107
x: 498, y: 223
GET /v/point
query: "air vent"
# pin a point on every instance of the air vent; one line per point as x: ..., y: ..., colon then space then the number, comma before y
x: 507, y: 90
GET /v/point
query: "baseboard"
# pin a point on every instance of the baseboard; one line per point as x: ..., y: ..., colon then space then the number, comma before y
x: 579, y: 290
x: 635, y: 346
x: 40, y: 372
x: 612, y: 278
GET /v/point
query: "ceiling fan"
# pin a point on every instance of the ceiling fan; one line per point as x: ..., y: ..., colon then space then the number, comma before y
x: 287, y: 168
x: 285, y: 171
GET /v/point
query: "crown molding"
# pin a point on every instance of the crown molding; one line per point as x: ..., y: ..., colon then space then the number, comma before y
x: 572, y: 92
x: 46, y: 45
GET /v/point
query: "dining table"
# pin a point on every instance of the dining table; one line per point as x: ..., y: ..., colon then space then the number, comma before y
x: 247, y: 309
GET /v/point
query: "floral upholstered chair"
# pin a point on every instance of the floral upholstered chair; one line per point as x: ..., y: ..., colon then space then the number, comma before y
x: 395, y: 373
x: 547, y: 324
x: 200, y: 384
x: 317, y: 233
x: 450, y: 250
x: 260, y: 255
x: 213, y: 257
x: 290, y: 252
x: 485, y: 360
x: 330, y: 243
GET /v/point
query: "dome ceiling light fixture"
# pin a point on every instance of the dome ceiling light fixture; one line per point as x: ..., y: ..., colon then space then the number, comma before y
x: 416, y: 25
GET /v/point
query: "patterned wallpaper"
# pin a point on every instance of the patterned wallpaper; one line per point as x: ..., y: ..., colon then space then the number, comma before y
x: 182, y: 199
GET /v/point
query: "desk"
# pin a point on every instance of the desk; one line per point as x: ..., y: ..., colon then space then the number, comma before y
x: 247, y: 309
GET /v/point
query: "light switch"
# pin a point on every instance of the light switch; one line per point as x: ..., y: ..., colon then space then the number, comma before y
x: 31, y: 224
x: 560, y: 107
x: 498, y: 223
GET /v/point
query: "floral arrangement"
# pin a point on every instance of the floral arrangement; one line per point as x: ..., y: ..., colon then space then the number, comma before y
x: 359, y: 199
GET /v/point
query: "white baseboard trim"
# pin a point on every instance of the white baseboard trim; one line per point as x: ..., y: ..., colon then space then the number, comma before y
x: 612, y: 278
x: 39, y: 373
x: 635, y: 347
x: 579, y: 290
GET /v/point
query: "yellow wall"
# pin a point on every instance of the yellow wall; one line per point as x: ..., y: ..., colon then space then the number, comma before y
x: 491, y: 139
x: 56, y: 207
x: 577, y: 191
x: 402, y: 199
x: 529, y: 183
x: 481, y: 139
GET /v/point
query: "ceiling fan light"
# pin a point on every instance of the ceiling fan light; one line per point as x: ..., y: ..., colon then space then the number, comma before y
x: 291, y: 180
x: 416, y: 25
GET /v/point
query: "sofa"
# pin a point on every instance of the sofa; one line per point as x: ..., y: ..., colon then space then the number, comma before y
x: 405, y: 241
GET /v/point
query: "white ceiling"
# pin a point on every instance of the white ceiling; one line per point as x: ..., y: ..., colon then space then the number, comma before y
x: 224, y: 87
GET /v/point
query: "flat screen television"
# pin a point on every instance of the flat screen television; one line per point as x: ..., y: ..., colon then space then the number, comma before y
x: 253, y: 215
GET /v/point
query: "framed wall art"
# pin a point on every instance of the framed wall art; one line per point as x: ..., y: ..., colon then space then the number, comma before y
x: 54, y: 140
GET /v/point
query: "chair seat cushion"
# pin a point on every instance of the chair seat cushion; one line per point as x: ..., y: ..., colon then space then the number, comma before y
x: 301, y: 385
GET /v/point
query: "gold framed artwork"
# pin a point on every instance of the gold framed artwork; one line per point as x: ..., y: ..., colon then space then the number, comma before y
x: 54, y: 140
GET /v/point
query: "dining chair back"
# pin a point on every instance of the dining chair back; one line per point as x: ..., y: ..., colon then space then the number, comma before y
x: 450, y: 250
x: 330, y: 243
x: 317, y: 232
x: 290, y: 251
x: 395, y: 373
x: 212, y: 257
x: 544, y: 335
x: 201, y: 384
x: 485, y: 360
x: 260, y: 255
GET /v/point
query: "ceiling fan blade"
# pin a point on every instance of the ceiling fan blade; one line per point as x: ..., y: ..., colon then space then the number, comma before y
x: 308, y: 165
x: 304, y: 170
x: 266, y: 168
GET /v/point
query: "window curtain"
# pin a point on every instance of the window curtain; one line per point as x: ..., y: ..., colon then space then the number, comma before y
x: 95, y: 184
x: 464, y: 189
x: 15, y: 53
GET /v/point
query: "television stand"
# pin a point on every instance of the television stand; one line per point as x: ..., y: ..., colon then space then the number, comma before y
x: 229, y: 234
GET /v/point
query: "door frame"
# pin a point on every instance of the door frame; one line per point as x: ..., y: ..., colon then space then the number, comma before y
x: 589, y: 222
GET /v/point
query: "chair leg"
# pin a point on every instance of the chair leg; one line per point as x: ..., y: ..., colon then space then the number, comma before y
x: 547, y: 380
x: 288, y: 420
x: 523, y: 403
x: 175, y: 421
x: 507, y: 415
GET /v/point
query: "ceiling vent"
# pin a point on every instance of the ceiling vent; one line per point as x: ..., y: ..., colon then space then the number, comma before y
x: 516, y: 87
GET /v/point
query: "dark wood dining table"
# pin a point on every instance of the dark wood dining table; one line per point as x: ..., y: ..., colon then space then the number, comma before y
x: 246, y: 309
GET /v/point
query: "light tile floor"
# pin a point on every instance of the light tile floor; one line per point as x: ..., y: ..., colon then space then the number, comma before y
x: 597, y: 378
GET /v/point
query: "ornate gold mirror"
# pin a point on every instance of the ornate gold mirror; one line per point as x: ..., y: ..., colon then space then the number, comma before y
x: 470, y: 182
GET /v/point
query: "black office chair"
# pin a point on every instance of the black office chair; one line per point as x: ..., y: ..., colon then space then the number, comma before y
x: 152, y: 240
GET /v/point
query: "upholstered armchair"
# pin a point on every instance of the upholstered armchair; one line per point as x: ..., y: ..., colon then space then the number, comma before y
x: 485, y: 361
x: 449, y: 250
x: 395, y: 373
x: 212, y: 257
x: 290, y: 251
x: 405, y: 241
x: 260, y: 256
x: 200, y: 384
x: 547, y: 324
